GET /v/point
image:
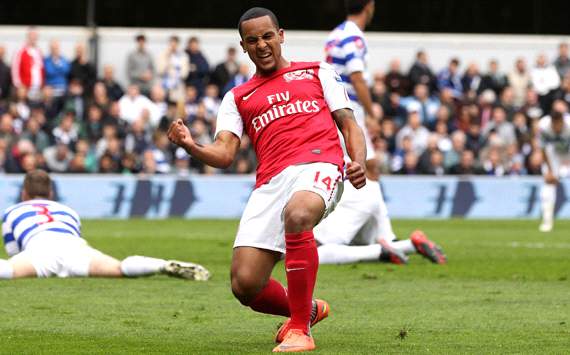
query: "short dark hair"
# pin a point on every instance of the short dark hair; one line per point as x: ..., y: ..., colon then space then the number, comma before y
x: 140, y: 37
x: 354, y: 7
x: 256, y: 12
x: 37, y: 183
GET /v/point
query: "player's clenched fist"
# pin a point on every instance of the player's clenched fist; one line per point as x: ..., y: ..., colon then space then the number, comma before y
x: 180, y: 135
x: 355, y: 174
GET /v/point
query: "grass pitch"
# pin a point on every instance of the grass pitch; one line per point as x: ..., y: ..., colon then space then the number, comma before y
x: 506, y: 289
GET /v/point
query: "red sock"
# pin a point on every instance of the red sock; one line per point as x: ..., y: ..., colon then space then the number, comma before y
x: 301, y: 264
x: 272, y: 299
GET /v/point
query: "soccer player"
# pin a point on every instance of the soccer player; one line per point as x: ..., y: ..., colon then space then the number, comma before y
x: 43, y: 239
x: 361, y: 229
x: 290, y: 111
x: 554, y: 133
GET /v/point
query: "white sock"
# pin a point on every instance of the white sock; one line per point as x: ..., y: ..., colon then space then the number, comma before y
x: 6, y: 270
x: 344, y: 254
x: 548, y: 201
x: 405, y: 246
x: 134, y: 266
x: 385, y: 225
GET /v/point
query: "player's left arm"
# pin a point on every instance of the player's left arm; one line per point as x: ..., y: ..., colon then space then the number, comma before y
x: 355, y: 146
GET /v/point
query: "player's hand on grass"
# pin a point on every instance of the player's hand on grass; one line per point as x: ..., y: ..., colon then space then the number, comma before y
x: 355, y: 174
x: 180, y: 135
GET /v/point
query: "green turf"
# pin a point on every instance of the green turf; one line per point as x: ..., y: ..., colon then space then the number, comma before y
x: 505, y: 290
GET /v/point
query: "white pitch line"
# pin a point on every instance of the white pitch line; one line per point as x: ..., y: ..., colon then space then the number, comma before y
x: 517, y: 244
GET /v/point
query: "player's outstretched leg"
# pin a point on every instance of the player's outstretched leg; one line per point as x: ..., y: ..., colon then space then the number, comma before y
x: 548, y: 202
x: 427, y: 248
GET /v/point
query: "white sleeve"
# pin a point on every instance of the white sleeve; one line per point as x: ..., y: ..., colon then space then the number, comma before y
x: 229, y: 118
x: 333, y: 90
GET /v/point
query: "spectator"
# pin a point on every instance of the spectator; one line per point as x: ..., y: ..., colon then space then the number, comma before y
x: 499, y: 125
x: 211, y: 102
x: 7, y: 132
x: 531, y: 106
x: 49, y: 104
x: 449, y: 78
x: 413, y: 129
x: 138, y: 139
x: 114, y: 89
x: 114, y: 119
x: 435, y: 166
x: 28, y: 65
x: 3, y: 154
x: 474, y: 140
x: 563, y: 93
x: 421, y: 73
x: 534, y: 163
x: 81, y: 69
x: 161, y: 153
x: 494, y: 79
x: 225, y: 70
x: 199, y: 73
x: 173, y: 68
x: 133, y: 105
x: 92, y: 130
x: 191, y: 103
x: 410, y: 165
x: 140, y: 67
x: 562, y: 62
x: 452, y: 156
x: 506, y: 100
x: 57, y: 70
x: 493, y: 164
x: 519, y: 80
x: 393, y: 108
x: 5, y: 78
x: 21, y: 157
x: 395, y: 80
x: 75, y: 100
x: 58, y: 157
x: 241, y: 77
x: 423, y: 103
x: 67, y: 132
x: 159, y: 107
x: 472, y: 81
x: 34, y: 134
x: 545, y: 81
x: 100, y: 97
x: 467, y: 165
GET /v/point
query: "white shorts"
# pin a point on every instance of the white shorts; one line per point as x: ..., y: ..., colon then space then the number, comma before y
x: 360, y: 218
x: 262, y: 224
x: 53, y: 254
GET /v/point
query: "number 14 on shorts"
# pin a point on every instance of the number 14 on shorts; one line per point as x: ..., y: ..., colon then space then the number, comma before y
x: 325, y: 182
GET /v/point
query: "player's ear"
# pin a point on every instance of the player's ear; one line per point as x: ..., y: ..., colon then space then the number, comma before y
x: 281, y: 36
x: 242, y: 45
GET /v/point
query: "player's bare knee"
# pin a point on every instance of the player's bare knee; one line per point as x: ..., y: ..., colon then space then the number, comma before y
x: 299, y: 220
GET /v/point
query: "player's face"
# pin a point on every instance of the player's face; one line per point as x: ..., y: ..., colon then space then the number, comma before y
x: 262, y: 40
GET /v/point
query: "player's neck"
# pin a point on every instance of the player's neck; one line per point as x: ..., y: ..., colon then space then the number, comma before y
x: 359, y: 20
x: 282, y: 63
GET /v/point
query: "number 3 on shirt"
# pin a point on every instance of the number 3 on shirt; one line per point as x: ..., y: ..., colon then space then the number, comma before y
x: 43, y: 211
x: 326, y: 181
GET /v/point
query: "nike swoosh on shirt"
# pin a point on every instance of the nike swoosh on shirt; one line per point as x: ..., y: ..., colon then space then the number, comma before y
x: 247, y: 96
x: 295, y: 269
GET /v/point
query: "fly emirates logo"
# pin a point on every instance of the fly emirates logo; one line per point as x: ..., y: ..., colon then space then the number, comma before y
x: 282, y: 107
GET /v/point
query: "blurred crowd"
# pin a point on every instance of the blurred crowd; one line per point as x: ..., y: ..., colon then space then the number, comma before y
x: 59, y: 114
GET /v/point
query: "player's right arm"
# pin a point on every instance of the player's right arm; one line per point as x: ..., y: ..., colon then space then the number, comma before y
x: 229, y: 128
x: 219, y: 154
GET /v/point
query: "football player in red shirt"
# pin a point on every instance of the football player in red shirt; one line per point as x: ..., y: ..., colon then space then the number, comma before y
x: 291, y: 111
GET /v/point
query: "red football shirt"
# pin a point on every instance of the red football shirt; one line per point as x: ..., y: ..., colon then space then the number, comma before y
x: 287, y: 116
